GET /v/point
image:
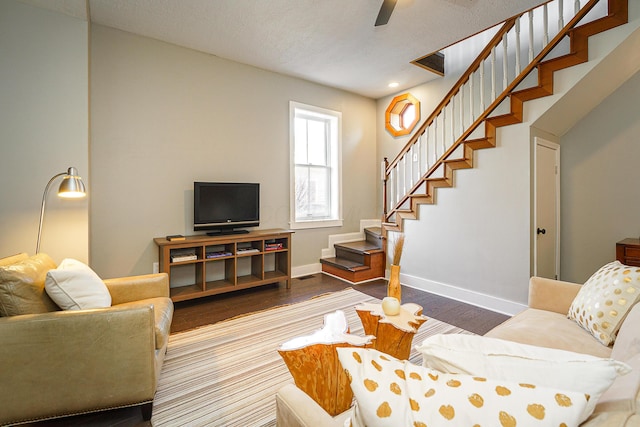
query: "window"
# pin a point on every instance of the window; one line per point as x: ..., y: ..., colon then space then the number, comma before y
x: 402, y: 115
x: 315, y: 167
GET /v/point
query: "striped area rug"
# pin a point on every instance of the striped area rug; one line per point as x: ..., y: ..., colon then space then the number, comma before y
x: 227, y: 374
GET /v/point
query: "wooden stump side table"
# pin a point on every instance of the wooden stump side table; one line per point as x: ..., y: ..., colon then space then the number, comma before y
x: 394, y: 334
x: 313, y: 363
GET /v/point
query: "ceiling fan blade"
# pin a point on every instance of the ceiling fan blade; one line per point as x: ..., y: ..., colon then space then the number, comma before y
x: 385, y: 12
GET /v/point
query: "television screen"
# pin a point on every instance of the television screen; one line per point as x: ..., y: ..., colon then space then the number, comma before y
x: 221, y: 206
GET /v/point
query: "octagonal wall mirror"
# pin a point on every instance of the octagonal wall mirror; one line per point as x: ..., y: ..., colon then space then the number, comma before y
x: 402, y: 114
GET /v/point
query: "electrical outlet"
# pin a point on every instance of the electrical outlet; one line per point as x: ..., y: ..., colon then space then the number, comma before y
x: 156, y: 267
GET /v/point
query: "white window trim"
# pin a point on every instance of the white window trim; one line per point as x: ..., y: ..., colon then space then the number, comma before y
x: 333, y: 222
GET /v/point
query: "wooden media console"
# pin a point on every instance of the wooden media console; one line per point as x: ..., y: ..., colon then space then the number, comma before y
x: 205, y: 265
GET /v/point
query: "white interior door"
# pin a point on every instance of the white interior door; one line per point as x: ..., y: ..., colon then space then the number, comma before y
x: 547, y: 209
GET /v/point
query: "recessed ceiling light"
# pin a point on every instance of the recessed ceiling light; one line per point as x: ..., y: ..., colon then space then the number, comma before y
x: 394, y: 84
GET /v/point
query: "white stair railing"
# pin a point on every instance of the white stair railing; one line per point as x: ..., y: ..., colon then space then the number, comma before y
x: 491, y: 77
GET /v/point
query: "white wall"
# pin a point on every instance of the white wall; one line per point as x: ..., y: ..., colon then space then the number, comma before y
x: 474, y: 243
x: 476, y: 236
x: 600, y: 176
x: 164, y: 116
x: 43, y: 128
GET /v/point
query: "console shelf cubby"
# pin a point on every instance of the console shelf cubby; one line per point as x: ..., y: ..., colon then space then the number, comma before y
x: 204, y: 265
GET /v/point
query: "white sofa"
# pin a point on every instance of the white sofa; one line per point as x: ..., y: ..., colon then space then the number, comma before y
x: 544, y: 323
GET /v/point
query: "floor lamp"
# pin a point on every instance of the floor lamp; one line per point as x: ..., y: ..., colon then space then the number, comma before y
x: 71, y: 187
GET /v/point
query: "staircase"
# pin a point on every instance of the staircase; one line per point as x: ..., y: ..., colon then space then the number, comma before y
x: 358, y: 261
x: 468, y: 117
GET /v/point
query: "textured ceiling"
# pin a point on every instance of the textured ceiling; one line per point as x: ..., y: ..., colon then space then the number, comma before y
x: 332, y: 42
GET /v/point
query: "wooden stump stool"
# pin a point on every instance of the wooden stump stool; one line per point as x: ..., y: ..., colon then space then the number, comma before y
x: 394, y: 334
x: 313, y: 363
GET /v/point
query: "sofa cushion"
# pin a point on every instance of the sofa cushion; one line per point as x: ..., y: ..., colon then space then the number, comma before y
x: 503, y: 360
x: 624, y: 392
x: 22, y: 286
x: 393, y: 392
x: 605, y: 299
x: 75, y: 286
x: 294, y: 408
x: 628, y: 341
x: 612, y: 419
x: 534, y: 327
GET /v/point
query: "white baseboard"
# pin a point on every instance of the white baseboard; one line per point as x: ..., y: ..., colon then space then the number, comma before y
x: 305, y: 270
x: 489, y: 302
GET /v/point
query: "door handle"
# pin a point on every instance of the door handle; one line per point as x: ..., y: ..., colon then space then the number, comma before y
x: 541, y: 231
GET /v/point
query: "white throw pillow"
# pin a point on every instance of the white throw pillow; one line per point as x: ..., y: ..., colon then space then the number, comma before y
x: 391, y: 392
x: 500, y: 359
x: 75, y: 286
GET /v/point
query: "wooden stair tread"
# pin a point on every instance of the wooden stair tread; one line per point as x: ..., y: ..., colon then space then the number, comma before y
x: 360, y: 247
x: 344, y: 264
x: 374, y: 231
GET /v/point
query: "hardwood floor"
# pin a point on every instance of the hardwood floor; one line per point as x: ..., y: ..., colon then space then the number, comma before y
x: 204, y: 311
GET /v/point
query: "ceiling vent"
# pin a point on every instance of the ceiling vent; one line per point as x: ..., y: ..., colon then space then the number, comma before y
x: 433, y: 62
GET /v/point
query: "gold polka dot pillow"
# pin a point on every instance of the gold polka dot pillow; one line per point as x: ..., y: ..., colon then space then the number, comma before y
x: 390, y: 392
x: 605, y: 299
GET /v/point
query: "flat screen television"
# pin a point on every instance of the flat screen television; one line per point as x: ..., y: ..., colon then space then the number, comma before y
x: 225, y: 207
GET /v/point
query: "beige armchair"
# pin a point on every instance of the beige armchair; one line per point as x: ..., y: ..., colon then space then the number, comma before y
x: 59, y: 363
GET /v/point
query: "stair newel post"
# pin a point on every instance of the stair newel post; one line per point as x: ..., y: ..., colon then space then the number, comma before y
x: 385, y: 165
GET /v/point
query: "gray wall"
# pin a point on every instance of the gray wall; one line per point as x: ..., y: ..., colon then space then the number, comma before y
x: 44, y: 121
x: 600, y: 175
x: 164, y: 116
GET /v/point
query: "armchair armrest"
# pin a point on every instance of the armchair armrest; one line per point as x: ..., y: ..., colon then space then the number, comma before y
x: 552, y: 295
x: 71, y: 361
x: 135, y: 288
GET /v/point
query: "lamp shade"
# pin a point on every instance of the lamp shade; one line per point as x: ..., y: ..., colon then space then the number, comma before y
x: 72, y: 186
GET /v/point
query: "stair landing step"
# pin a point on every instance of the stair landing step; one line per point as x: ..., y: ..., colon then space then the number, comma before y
x: 344, y: 264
